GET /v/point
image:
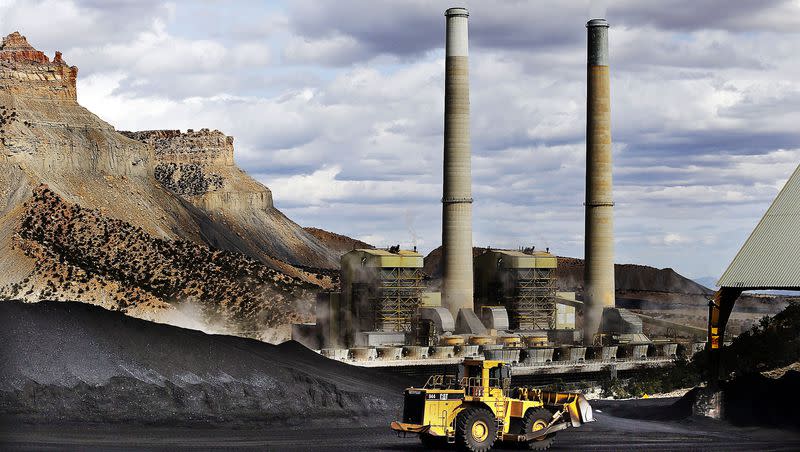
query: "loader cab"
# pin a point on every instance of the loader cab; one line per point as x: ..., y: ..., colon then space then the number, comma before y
x: 478, y: 376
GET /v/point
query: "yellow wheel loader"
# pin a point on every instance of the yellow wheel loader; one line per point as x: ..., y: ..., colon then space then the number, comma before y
x: 478, y: 407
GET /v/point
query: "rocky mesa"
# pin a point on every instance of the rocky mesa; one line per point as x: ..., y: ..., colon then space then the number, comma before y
x: 81, y: 203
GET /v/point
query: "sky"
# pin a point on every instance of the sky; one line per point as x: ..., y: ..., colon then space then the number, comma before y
x: 337, y: 107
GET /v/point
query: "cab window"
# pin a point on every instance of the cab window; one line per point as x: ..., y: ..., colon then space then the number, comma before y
x: 499, y: 373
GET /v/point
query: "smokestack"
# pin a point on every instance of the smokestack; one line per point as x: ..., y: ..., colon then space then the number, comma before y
x: 598, y: 274
x: 457, y: 286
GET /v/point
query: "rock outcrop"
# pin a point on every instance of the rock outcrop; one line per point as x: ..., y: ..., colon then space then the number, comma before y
x: 198, y: 166
x: 172, y: 187
x: 27, y: 70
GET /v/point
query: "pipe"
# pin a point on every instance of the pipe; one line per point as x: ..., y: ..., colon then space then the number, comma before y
x: 457, y: 284
x: 599, y: 236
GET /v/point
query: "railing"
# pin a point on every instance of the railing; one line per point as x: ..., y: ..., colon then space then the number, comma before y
x: 442, y: 382
x: 472, y: 386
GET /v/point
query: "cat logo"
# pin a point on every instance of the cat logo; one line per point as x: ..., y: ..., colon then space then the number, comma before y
x: 445, y: 396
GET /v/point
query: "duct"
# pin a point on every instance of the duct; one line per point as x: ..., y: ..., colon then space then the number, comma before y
x: 599, y: 235
x: 440, y: 317
x: 620, y: 321
x: 495, y: 317
x: 469, y: 323
x: 380, y: 338
x: 457, y: 284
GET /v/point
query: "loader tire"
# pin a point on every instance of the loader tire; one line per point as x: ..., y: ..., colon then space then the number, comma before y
x: 536, y: 420
x: 476, y: 430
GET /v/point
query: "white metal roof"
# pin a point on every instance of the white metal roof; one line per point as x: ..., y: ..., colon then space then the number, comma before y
x: 770, y: 258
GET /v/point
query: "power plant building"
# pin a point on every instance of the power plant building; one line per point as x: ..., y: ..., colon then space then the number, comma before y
x: 523, y: 283
x: 381, y: 291
x: 502, y: 304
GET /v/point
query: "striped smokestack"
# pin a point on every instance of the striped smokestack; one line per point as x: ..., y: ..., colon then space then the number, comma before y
x: 457, y: 286
x: 598, y: 289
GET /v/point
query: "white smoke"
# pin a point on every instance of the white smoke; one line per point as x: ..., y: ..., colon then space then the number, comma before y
x: 410, y: 217
x: 190, y: 315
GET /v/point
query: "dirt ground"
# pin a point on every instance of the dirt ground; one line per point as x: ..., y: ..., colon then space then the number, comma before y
x: 619, y: 425
x: 76, y: 377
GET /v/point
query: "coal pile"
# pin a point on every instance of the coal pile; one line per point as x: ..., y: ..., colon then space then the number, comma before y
x: 754, y: 399
x: 72, y: 362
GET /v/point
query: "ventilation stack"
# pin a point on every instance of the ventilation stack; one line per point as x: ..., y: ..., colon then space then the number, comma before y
x: 599, y: 252
x: 457, y: 197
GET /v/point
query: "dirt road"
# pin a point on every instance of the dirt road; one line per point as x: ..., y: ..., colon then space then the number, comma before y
x: 609, y: 432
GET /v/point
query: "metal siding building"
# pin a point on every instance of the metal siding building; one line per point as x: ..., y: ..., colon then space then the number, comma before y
x: 525, y: 284
x: 382, y: 290
x: 770, y: 258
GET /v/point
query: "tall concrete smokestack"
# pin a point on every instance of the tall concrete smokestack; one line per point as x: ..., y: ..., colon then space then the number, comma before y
x: 599, y: 252
x: 457, y: 197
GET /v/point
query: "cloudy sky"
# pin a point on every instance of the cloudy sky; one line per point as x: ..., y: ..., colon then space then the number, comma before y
x: 337, y: 106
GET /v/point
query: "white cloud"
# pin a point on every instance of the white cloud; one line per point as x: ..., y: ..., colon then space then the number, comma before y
x: 323, y: 188
x: 346, y: 130
x: 331, y: 50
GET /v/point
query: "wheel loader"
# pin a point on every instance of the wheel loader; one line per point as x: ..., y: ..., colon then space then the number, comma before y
x: 478, y: 407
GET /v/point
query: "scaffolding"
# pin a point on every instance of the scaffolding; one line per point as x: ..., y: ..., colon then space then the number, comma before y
x: 531, y: 304
x: 382, y: 289
x: 396, y: 298
x: 524, y: 282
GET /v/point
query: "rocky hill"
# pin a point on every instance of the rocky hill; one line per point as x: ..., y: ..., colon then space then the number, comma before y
x: 175, y: 190
x: 198, y: 166
x: 79, y: 253
x: 341, y: 244
x: 629, y: 278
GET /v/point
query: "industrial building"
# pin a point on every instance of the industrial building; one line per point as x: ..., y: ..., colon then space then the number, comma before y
x: 522, y: 283
x: 381, y: 291
x: 502, y: 304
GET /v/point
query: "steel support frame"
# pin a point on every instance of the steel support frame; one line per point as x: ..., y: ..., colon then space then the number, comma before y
x: 531, y: 305
x: 397, y: 296
x: 719, y: 311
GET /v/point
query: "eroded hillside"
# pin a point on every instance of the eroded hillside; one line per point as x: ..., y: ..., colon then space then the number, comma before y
x: 82, y: 255
x: 177, y: 196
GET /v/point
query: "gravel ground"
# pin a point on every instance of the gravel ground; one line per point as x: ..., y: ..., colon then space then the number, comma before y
x: 611, y: 431
x: 76, y: 377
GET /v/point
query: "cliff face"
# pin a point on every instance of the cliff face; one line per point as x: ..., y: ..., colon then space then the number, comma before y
x: 198, y: 166
x: 171, y: 186
x: 28, y: 71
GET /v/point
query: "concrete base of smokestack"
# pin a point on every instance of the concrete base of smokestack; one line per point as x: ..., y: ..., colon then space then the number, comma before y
x: 457, y: 283
x: 598, y: 289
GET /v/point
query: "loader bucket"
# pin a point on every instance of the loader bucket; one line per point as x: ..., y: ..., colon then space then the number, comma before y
x: 580, y: 412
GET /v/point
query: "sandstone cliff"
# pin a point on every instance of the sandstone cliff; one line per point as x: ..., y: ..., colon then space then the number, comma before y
x: 199, y: 167
x: 172, y: 187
